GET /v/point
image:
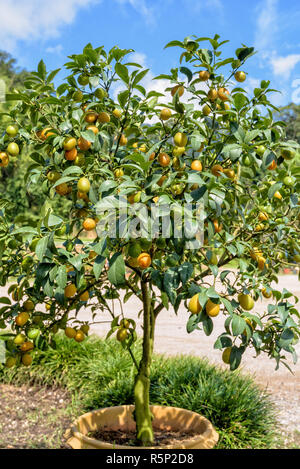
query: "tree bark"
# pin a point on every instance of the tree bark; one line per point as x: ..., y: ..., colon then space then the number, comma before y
x: 143, y: 416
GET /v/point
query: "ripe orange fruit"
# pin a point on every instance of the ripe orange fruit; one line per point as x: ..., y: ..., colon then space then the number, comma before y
x: 90, y: 117
x: 144, y: 260
x: 84, y: 144
x: 63, y: 189
x: 212, y: 309
x: 212, y: 94
x: 263, y: 216
x: 164, y: 159
x: 179, y: 89
x: 261, y: 262
x: 93, y: 128
x: 196, y: 165
x: 84, y: 296
x: 103, y: 117
x: 69, y: 143
x: 194, y: 305
x: 45, y: 133
x: 240, y: 76
x: 229, y: 173
x: 70, y: 332
x: 204, y: 75
x: 70, y: 290
x: 118, y: 173
x: 161, y: 180
x: 70, y: 155
x: 165, y: 114
x: 4, y: 159
x: 180, y: 139
x: 223, y: 94
x: 27, y: 359
x: 22, y: 318
x: 89, y: 224
x: 272, y: 166
x: 218, y: 226
x: 79, y: 336
x: 152, y: 156
x: 27, y: 346
x: 217, y: 170
x: 277, y: 195
x: 123, y: 140
x: 83, y: 196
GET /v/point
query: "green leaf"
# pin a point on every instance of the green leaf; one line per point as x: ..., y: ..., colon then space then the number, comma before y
x: 61, y: 278
x: 238, y: 325
x: 116, y: 272
x: 239, y: 100
x: 41, y: 247
x: 187, y: 72
x: 98, y: 266
x: 174, y: 44
x: 274, y: 188
x: 122, y: 72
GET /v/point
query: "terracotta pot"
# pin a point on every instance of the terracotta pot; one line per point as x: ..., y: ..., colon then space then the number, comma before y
x: 120, y: 418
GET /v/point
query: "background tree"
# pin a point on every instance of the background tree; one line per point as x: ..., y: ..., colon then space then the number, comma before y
x: 220, y: 147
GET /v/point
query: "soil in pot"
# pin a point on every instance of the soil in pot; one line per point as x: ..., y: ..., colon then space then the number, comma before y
x: 128, y: 438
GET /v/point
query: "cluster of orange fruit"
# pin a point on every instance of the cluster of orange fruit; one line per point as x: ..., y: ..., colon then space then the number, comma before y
x: 77, y: 334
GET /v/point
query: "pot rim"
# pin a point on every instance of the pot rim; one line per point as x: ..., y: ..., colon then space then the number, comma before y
x: 209, y: 433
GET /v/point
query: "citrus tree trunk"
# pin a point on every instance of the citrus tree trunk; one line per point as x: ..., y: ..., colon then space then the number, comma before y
x: 143, y: 415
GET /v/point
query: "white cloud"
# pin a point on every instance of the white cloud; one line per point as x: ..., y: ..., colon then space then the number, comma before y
x: 33, y: 20
x: 283, y: 66
x: 30, y: 20
x: 141, y: 6
x: 267, y: 24
x: 55, y: 49
x: 198, y: 5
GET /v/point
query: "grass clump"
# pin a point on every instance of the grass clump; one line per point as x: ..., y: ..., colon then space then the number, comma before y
x: 99, y: 374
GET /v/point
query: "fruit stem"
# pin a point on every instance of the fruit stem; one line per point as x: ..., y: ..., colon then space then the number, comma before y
x: 142, y: 413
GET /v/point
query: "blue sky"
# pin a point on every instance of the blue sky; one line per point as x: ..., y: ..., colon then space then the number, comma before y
x: 31, y: 30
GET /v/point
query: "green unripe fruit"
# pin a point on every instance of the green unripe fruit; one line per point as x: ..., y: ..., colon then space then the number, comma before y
x: 288, y: 181
x: 260, y: 150
x: 19, y: 339
x: 134, y: 250
x: 145, y: 244
x: 12, y: 130
x: 100, y: 93
x: 13, y: 149
x: 33, y: 333
x: 77, y: 96
x: 83, y: 80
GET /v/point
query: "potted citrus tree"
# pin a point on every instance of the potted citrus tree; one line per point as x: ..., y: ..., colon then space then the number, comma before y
x: 102, y: 141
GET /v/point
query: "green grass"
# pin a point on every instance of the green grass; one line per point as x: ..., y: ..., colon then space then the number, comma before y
x: 99, y: 374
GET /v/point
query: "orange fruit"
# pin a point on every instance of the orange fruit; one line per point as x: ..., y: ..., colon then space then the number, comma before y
x: 84, y: 296
x: 226, y: 355
x: 179, y: 89
x: 194, y: 305
x: 89, y: 224
x: 122, y: 334
x: 240, y: 76
x: 70, y: 332
x: 206, y: 110
x: 273, y: 165
x: 103, y: 117
x: 63, y: 189
x: 79, y: 336
x: 93, y: 128
x: 164, y: 159
x: 223, y: 94
x: 217, y: 170
x: 27, y: 346
x: 4, y: 159
x: 91, y: 117
x: 83, y: 144
x: 117, y: 113
x: 22, y: 318
x: 212, y: 309
x: 69, y: 143
x: 180, y: 139
x: 83, y: 185
x: 123, y: 140
x: 265, y: 293
x: 218, y: 226
x: 28, y: 305
x: 229, y: 173
x: 70, y: 155
x: 144, y: 260
x: 212, y: 94
x: 27, y: 359
x: 204, y: 75
x: 45, y: 133
x: 196, y: 165
x: 70, y: 290
x: 261, y: 261
x: 165, y: 114
x: 152, y: 156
